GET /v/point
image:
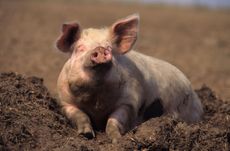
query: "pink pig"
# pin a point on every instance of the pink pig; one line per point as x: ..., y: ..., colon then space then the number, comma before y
x: 106, y: 84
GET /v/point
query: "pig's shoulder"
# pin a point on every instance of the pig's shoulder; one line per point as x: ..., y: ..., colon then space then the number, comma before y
x: 156, y: 69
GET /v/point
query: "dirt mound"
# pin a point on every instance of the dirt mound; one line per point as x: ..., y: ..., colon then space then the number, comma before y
x: 31, y: 120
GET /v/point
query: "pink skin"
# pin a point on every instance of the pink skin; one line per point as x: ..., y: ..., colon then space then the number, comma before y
x: 89, y: 50
x: 77, y: 117
x: 81, y: 47
x: 80, y: 119
x: 116, y: 122
x: 100, y: 86
x: 101, y: 55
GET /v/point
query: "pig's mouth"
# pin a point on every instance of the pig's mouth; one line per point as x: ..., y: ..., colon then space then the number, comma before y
x: 99, y: 69
x: 102, y: 68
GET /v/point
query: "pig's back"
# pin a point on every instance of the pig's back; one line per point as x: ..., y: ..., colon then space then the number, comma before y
x: 162, y: 80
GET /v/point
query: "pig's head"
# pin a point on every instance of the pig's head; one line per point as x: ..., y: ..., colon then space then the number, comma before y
x: 93, y: 50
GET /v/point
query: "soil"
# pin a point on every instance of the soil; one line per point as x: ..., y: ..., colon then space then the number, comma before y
x: 196, y: 40
x: 31, y: 120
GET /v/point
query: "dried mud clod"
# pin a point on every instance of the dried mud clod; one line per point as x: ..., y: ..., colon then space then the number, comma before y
x: 31, y: 120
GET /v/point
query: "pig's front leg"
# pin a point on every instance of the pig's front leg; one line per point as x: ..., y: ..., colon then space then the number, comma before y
x: 80, y: 119
x: 119, y: 122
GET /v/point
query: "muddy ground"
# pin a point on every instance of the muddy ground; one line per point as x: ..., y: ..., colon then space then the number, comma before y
x: 196, y: 40
x: 31, y: 120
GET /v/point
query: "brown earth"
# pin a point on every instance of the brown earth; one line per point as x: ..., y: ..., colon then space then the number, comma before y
x: 31, y: 120
x: 196, y: 40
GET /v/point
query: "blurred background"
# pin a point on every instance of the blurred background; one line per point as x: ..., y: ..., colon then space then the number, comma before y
x: 193, y: 35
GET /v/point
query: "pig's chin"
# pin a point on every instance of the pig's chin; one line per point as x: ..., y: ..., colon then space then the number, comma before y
x: 97, y: 75
x: 99, y: 70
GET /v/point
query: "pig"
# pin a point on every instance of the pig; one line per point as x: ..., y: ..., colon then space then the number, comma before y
x: 106, y: 84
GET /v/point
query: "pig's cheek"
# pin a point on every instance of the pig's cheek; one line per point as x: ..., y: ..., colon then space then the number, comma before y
x: 77, y: 72
x: 66, y: 95
x: 79, y: 76
x: 85, y: 77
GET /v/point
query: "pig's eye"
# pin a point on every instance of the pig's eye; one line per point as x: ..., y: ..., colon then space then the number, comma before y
x: 80, y: 47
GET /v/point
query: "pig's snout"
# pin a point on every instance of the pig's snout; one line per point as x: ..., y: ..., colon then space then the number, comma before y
x: 101, y: 55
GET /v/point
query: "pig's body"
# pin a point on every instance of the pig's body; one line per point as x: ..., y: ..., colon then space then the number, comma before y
x: 136, y: 80
x: 106, y: 85
x: 164, y: 81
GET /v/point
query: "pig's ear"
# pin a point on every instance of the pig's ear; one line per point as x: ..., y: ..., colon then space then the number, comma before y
x: 70, y: 34
x: 124, y: 33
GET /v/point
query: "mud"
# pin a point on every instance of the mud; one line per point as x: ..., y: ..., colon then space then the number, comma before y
x: 195, y: 40
x: 31, y: 120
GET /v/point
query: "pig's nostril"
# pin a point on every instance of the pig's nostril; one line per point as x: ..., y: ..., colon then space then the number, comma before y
x: 95, y: 54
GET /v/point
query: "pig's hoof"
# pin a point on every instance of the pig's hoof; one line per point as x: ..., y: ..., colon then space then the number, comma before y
x: 113, y: 131
x: 115, y: 137
x: 87, y: 132
x: 89, y: 135
x: 115, y: 141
